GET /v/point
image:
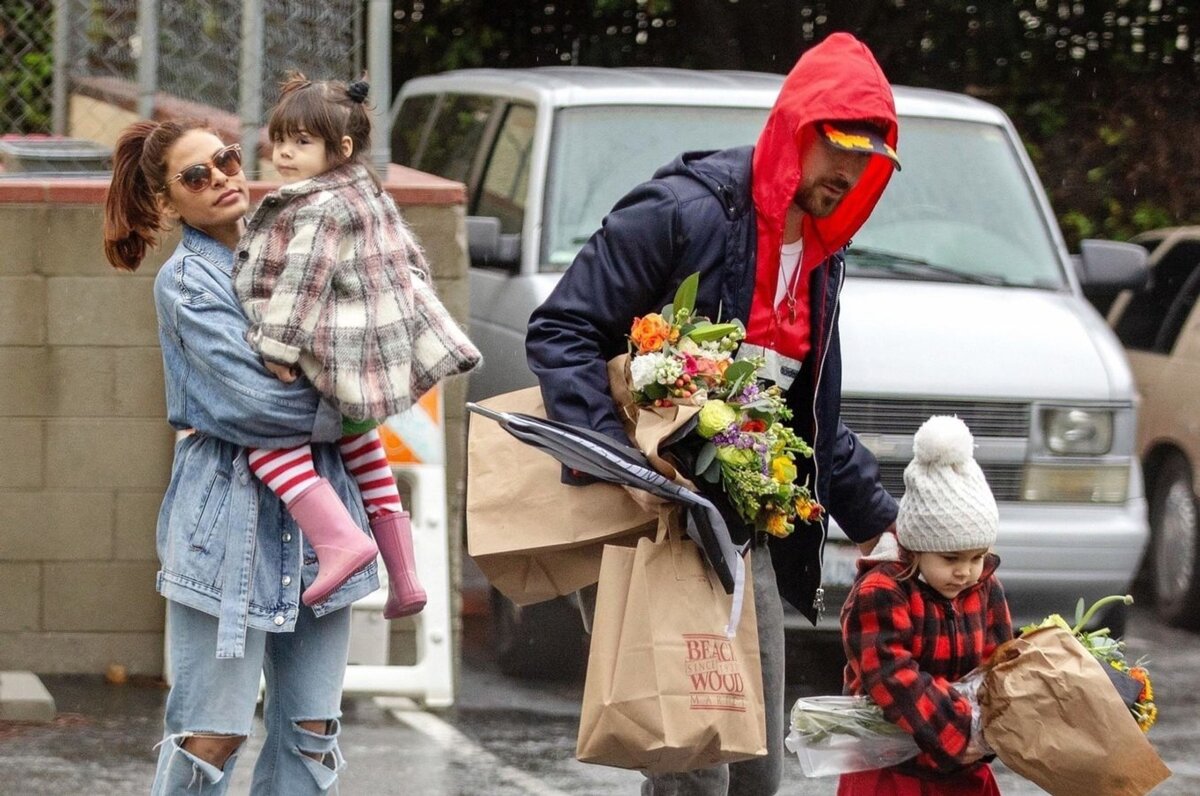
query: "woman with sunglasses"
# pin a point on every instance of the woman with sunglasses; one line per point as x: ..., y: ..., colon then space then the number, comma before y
x: 231, y: 557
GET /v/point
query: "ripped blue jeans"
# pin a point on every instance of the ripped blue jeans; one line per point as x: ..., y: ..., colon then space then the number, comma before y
x: 217, y: 697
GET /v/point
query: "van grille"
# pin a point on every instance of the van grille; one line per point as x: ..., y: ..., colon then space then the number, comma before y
x: 1004, y: 479
x: 887, y: 416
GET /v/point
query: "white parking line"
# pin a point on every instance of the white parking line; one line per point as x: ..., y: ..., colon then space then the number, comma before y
x: 465, y: 750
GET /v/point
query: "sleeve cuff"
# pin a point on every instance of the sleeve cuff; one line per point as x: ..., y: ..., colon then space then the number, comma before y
x: 276, y: 351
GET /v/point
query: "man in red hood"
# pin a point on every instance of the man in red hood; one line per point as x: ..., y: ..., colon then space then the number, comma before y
x: 764, y: 227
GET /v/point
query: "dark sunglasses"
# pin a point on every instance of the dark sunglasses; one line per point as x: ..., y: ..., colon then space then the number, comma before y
x: 199, y: 176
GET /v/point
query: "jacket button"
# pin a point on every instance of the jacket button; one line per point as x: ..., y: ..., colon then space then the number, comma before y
x: 287, y: 537
x: 243, y: 254
x: 287, y: 580
x: 279, y: 620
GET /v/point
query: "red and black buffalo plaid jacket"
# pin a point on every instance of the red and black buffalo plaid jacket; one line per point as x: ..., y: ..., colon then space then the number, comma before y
x: 905, y: 644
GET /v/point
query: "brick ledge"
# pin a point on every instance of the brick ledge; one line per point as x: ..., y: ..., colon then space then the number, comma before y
x: 407, y: 186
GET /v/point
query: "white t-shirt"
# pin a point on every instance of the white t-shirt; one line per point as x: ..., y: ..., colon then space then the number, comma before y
x: 779, y: 368
x: 789, y: 261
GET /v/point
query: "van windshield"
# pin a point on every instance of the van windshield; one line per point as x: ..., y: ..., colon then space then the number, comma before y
x: 601, y: 152
x: 961, y: 210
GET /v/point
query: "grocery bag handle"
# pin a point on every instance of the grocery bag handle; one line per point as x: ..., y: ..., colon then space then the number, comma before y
x: 671, y: 530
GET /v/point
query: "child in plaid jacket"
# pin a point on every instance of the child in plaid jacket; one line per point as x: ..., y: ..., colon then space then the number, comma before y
x: 335, y: 288
x: 927, y: 608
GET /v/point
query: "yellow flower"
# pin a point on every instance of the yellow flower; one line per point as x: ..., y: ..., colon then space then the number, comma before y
x: 777, y: 524
x: 783, y: 470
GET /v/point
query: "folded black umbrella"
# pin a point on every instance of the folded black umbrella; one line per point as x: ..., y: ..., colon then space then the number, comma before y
x: 601, y: 457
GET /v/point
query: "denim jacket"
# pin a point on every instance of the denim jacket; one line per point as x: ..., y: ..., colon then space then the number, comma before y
x: 226, y: 543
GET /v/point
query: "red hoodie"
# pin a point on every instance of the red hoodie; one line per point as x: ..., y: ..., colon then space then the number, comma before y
x: 840, y: 80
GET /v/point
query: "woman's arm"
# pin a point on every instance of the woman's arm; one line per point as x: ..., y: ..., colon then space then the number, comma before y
x: 227, y: 391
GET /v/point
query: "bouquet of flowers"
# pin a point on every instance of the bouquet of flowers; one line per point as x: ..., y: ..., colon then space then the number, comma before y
x: 680, y: 358
x: 1132, y: 682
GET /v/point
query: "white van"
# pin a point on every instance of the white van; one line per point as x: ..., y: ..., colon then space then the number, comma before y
x: 960, y: 295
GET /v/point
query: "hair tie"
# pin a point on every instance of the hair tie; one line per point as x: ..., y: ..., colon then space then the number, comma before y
x: 357, y: 90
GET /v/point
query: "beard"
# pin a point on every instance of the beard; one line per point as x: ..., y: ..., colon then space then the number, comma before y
x: 820, y: 199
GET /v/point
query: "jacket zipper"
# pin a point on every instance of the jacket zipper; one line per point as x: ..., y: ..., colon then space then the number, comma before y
x: 819, y: 598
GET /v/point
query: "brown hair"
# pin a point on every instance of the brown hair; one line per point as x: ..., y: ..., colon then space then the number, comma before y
x: 328, y: 109
x: 132, y: 218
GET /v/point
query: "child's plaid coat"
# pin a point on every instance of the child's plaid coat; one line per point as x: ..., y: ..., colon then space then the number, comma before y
x: 334, y: 283
x: 905, y: 643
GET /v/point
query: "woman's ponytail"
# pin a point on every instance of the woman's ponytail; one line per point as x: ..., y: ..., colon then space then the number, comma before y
x: 131, y: 213
x: 132, y: 216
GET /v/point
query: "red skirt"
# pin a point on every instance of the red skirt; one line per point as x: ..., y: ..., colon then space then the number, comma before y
x: 887, y: 782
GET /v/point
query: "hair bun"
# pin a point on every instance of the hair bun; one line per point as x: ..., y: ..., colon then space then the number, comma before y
x: 358, y: 90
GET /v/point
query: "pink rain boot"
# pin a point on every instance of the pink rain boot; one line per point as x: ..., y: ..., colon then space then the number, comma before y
x: 341, y: 546
x: 393, y: 534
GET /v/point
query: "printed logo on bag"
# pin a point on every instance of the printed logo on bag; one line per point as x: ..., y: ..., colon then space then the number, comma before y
x: 714, y: 673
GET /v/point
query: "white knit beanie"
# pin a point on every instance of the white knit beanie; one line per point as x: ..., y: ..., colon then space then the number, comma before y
x: 947, y: 505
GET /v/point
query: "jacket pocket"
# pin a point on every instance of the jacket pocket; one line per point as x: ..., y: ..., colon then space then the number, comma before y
x: 213, y: 509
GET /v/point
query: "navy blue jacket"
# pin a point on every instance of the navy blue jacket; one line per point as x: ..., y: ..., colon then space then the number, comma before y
x: 697, y: 215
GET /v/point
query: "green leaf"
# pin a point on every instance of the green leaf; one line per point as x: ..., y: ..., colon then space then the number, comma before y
x: 707, y: 455
x: 739, y: 371
x: 1079, y: 611
x: 707, y: 332
x: 685, y: 296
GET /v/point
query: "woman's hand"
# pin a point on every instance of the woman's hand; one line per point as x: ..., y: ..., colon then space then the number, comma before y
x: 285, y: 373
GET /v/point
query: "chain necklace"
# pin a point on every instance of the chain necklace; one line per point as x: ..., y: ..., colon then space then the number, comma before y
x: 789, y: 290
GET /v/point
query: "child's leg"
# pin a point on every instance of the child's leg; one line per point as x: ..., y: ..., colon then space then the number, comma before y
x: 341, y: 546
x: 365, y: 458
x: 286, y: 471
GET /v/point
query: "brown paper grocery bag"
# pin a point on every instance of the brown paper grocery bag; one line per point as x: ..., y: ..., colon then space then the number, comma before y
x: 532, y: 536
x: 1053, y: 716
x: 666, y: 690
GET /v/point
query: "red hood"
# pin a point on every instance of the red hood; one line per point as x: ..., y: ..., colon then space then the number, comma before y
x: 838, y: 79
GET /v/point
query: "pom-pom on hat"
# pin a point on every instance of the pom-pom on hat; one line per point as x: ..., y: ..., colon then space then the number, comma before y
x: 947, y: 505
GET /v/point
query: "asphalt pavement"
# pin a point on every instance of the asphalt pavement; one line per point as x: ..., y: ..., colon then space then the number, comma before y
x: 504, y: 737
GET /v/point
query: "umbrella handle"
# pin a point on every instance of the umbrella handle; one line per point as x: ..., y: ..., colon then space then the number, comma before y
x: 483, y: 410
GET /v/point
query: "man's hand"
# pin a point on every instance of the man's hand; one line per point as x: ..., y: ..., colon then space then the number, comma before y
x: 865, y: 548
x: 649, y: 503
x: 285, y: 373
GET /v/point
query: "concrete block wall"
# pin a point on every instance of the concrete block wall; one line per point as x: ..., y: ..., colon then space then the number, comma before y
x: 85, y: 449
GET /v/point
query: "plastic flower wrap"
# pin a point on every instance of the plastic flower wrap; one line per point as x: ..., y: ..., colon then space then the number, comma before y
x: 1132, y: 681
x: 678, y: 357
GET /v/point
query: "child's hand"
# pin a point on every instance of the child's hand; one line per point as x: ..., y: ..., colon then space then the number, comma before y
x: 285, y: 373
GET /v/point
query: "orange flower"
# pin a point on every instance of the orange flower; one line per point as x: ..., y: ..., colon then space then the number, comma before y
x: 651, y: 332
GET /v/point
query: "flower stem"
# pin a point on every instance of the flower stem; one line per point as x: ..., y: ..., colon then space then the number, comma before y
x: 1096, y: 606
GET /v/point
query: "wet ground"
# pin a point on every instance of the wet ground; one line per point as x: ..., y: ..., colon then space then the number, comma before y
x: 504, y: 737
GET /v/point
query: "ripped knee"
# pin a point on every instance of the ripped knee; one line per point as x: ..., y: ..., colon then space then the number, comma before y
x: 212, y: 749
x: 316, y: 742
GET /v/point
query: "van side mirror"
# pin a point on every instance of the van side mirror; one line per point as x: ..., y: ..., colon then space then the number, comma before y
x: 1106, y: 267
x: 487, y: 245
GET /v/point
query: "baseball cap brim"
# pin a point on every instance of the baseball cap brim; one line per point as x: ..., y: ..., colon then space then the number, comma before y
x: 858, y: 137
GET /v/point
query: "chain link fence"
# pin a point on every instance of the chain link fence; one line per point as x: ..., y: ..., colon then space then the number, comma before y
x: 26, y: 66
x: 85, y: 68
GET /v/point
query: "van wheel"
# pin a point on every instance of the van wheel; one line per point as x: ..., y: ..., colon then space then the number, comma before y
x: 1175, y: 545
x: 543, y: 641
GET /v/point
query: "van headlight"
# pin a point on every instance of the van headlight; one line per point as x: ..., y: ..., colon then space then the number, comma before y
x: 1073, y: 431
x: 1067, y: 483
